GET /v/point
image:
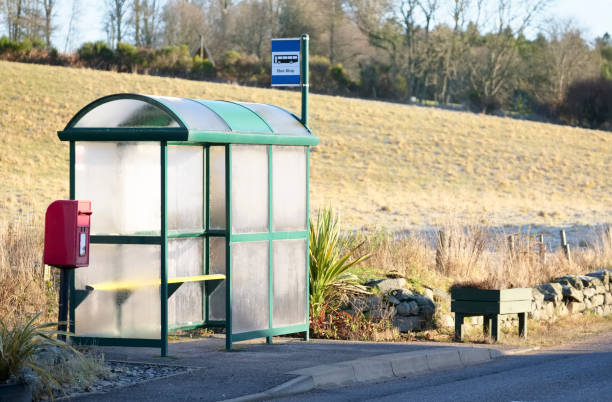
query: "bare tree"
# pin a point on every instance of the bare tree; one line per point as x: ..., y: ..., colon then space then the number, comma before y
x: 569, y: 58
x: 258, y: 20
x: 48, y: 8
x: 116, y: 11
x: 429, y: 9
x: 493, y: 66
x: 73, y: 24
x: 454, y: 49
x: 145, y: 20
x: 14, y: 11
x: 183, y: 21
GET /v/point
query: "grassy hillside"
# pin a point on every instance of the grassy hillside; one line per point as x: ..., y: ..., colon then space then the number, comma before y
x: 378, y: 163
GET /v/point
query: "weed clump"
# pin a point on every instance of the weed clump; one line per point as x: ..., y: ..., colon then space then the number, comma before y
x: 24, y: 290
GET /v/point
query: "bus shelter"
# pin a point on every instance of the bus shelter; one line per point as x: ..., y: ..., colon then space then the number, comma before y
x: 200, y: 218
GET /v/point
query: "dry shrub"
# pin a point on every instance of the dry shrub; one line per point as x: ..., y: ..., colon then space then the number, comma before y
x: 599, y: 254
x: 480, y: 259
x: 374, y: 323
x: 460, y: 251
x: 473, y: 256
x: 23, y: 288
x: 409, y: 256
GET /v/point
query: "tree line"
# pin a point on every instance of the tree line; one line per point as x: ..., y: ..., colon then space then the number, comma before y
x: 488, y: 55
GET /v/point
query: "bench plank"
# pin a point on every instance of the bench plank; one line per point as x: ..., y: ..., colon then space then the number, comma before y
x: 133, y: 285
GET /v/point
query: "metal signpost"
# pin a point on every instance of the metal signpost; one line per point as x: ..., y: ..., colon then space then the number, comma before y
x: 290, y: 67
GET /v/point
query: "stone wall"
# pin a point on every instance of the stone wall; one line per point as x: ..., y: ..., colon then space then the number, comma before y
x: 573, y: 294
x: 413, y: 311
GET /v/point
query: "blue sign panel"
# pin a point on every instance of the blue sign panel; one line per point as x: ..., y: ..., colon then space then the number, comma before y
x: 286, y: 62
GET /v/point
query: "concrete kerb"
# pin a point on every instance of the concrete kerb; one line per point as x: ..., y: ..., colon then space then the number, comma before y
x: 380, y: 367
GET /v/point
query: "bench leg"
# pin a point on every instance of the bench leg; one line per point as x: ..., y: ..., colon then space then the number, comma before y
x: 486, y: 325
x: 459, y: 326
x: 269, y: 340
x: 495, y: 327
x: 522, y: 325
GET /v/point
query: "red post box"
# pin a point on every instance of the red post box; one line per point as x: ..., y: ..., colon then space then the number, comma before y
x: 67, y: 225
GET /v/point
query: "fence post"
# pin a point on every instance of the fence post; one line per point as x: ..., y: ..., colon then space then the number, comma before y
x: 440, y: 250
x: 511, y: 246
x: 542, y: 249
x: 565, y: 246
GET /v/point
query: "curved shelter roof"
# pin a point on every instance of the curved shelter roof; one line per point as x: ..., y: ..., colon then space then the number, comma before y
x: 136, y: 117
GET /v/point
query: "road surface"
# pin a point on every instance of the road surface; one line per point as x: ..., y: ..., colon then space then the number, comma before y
x: 573, y: 372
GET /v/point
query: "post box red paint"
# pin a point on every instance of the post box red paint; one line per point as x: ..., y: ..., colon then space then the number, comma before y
x: 67, y: 224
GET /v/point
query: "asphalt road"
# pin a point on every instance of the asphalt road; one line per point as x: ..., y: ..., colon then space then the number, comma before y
x: 577, y: 372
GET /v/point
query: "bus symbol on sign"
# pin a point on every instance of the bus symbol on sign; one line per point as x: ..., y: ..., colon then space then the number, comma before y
x: 286, y: 58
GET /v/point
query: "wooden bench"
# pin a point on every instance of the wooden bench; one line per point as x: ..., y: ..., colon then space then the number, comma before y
x: 125, y: 288
x: 173, y: 283
x: 490, y: 304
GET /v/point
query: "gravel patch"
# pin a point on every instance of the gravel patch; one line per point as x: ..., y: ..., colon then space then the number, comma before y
x: 122, y: 374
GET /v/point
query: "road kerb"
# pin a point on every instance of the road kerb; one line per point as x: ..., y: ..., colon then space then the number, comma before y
x: 382, y: 367
x: 438, y: 360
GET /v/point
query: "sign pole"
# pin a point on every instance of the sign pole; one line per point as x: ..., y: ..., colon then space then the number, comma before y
x: 304, y: 67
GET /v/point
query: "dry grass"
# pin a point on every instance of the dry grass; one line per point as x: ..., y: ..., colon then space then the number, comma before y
x: 399, y: 166
x: 475, y: 257
x: 542, y: 333
x: 23, y: 289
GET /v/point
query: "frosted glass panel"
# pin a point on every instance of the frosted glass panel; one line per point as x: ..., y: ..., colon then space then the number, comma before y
x: 122, y: 180
x: 126, y: 113
x: 289, y: 188
x: 185, y: 187
x: 195, y: 115
x: 185, y: 259
x: 249, y: 188
x: 250, y: 289
x: 290, y: 302
x: 217, y: 187
x: 280, y: 120
x: 133, y: 313
x: 216, y: 300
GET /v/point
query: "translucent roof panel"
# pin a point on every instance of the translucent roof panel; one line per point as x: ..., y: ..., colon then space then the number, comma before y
x: 195, y: 115
x: 137, y: 117
x: 238, y: 117
x: 279, y: 119
x: 131, y: 113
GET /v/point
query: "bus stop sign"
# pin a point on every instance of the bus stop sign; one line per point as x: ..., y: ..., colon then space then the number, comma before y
x: 286, y: 62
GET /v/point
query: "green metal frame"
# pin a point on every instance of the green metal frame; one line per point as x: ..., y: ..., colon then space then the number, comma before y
x: 268, y: 236
x: 164, y: 248
x: 228, y: 247
x: 206, y: 233
x: 173, y: 136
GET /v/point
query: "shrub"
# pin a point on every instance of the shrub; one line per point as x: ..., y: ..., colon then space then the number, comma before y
x: 480, y: 103
x: 320, y: 77
x: 328, y: 266
x: 23, y: 287
x: 244, y: 68
x: 97, y: 55
x: 588, y: 103
x: 127, y: 57
x: 202, y: 68
x: 342, y: 80
x: 171, y: 60
x: 19, y: 50
x: 381, y: 81
x: 336, y: 324
x: 326, y: 78
x: 19, y: 346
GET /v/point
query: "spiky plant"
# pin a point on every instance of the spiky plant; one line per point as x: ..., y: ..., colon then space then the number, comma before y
x: 328, y: 268
x: 19, y: 346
